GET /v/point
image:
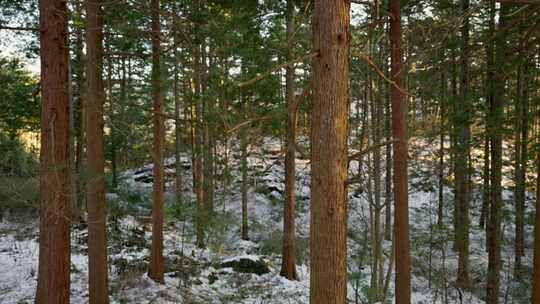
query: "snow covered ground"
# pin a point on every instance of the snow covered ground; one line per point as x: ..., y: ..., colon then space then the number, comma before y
x: 199, y: 276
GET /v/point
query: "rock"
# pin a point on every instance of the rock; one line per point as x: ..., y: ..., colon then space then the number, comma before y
x: 123, y: 265
x: 247, y: 264
x: 212, y: 277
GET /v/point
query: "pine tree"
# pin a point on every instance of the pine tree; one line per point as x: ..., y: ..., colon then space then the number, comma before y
x: 156, y: 267
x: 95, y: 187
x: 55, y: 213
x: 329, y: 127
x: 288, y: 265
x: 399, y: 131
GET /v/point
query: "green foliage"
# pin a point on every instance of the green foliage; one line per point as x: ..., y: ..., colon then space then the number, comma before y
x: 14, y: 159
x: 18, y: 193
x: 19, y: 105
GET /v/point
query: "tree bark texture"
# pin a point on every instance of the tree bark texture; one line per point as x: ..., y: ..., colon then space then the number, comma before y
x: 95, y: 186
x: 156, y: 267
x: 288, y: 265
x: 329, y: 129
x: 399, y: 130
x: 54, y: 241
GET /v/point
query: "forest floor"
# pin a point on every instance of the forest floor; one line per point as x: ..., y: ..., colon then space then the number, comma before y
x: 231, y: 270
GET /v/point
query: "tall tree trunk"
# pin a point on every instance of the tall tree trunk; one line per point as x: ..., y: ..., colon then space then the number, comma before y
x: 78, y: 93
x: 243, y: 169
x: 54, y: 247
x: 522, y: 140
x: 399, y: 131
x: 156, y: 267
x: 388, y: 155
x: 95, y: 187
x: 377, y: 114
x: 329, y: 127
x: 388, y: 172
x: 177, y: 119
x: 207, y: 149
x: 490, y: 86
x: 536, y: 261
x: 76, y: 213
x: 198, y: 140
x: 496, y: 121
x: 462, y: 118
x: 453, y: 143
x: 288, y: 265
x: 440, y: 210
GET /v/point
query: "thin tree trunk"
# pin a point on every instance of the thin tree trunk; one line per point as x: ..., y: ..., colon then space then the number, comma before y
x: 490, y: 86
x: 522, y: 122
x: 388, y: 169
x: 399, y: 128
x: 207, y: 137
x: 243, y: 169
x: 329, y: 127
x: 177, y: 121
x: 79, y: 121
x: 95, y: 187
x: 54, y: 246
x: 198, y: 165
x: 156, y: 267
x: 536, y: 261
x: 76, y: 213
x: 440, y: 210
x: 496, y: 120
x: 453, y: 145
x: 462, y: 116
x: 288, y: 265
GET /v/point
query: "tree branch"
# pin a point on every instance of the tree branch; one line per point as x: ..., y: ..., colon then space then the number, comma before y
x: 272, y: 70
x: 519, y: 1
x: 358, y: 155
x: 18, y: 28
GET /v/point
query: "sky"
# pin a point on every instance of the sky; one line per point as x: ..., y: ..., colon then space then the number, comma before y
x: 11, y: 43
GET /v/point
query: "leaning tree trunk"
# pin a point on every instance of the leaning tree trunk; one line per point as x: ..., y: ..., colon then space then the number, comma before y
x: 95, y: 187
x: 156, y: 267
x: 399, y: 128
x: 54, y: 246
x: 329, y: 124
x: 288, y: 265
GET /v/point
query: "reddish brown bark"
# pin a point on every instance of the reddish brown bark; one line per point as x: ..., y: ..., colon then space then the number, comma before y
x: 157, y: 268
x: 95, y: 187
x: 54, y: 246
x: 399, y: 130
x: 288, y: 265
x: 329, y: 124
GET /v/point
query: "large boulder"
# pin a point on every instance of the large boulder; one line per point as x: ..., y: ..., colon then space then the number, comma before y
x: 246, y: 264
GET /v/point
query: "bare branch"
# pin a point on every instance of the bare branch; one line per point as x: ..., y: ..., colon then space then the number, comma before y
x: 274, y: 69
x: 370, y: 62
x: 519, y: 1
x: 357, y: 155
x: 18, y: 28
